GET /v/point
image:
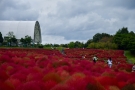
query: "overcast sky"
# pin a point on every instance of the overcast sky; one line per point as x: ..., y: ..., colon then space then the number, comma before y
x: 63, y: 21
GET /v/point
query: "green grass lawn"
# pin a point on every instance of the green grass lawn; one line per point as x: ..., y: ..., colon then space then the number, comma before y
x: 58, y: 48
x: 130, y: 57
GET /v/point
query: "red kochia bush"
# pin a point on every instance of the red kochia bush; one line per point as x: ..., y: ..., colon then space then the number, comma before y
x: 107, y: 81
x: 29, y: 69
x: 79, y: 81
x: 3, y: 75
x: 129, y: 87
x: 5, y: 58
x: 121, y: 84
x: 52, y: 76
x: 32, y: 85
x: 34, y: 76
x: 93, y: 84
x: 13, y: 82
x: 50, y: 84
x: 121, y: 76
x: 19, y: 75
x: 109, y: 73
x: 5, y: 86
x: 131, y: 81
x: 63, y: 87
x: 76, y: 81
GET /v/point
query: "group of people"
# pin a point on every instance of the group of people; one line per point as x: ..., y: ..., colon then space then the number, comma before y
x: 109, y: 61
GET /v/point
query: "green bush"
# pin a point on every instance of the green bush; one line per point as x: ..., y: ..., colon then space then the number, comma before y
x: 40, y: 46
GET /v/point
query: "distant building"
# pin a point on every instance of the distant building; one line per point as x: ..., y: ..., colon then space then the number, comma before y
x: 22, y: 28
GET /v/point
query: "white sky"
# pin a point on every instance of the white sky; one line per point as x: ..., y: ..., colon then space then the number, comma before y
x: 63, y: 21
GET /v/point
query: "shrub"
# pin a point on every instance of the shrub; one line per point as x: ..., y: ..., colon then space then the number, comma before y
x: 52, y: 76
x: 128, y: 87
x: 32, y: 85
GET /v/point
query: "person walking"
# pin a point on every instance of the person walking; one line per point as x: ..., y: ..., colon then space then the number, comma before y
x: 133, y: 68
x: 109, y: 61
x: 95, y: 58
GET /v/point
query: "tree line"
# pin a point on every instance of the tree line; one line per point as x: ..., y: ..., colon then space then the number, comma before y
x: 122, y: 39
x: 10, y: 40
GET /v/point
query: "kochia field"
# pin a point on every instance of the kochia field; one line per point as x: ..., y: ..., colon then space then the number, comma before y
x: 43, y: 69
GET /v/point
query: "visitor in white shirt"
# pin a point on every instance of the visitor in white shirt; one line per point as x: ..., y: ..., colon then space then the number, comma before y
x: 109, y: 61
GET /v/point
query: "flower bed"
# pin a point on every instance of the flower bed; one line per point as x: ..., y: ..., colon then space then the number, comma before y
x: 42, y: 69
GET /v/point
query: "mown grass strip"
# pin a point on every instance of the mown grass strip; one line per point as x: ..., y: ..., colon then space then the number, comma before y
x: 130, y: 57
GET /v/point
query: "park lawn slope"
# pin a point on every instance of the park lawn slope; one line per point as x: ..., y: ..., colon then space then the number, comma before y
x: 130, y: 57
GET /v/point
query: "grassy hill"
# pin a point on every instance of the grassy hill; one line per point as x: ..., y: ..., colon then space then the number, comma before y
x: 130, y: 57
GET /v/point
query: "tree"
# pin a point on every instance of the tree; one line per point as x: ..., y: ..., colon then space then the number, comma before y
x: 131, y: 44
x: 22, y: 40
x: 92, y: 45
x: 124, y: 30
x: 10, y: 34
x: 125, y: 40
x: 79, y: 44
x: 64, y: 45
x: 106, y: 39
x: 56, y: 45
x: 1, y: 38
x: 71, y: 45
x: 28, y: 40
x: 103, y: 45
x: 122, y: 38
x: 14, y: 40
x: 11, y: 38
x: 99, y: 36
x: 131, y: 33
x: 87, y: 43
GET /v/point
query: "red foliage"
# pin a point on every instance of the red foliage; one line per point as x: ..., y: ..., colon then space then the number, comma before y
x: 5, y: 58
x: 131, y: 81
x: 106, y: 81
x: 41, y: 69
x: 52, y: 76
x: 50, y: 84
x: 121, y: 84
x: 32, y: 85
x: 3, y: 75
x: 62, y: 87
x: 5, y: 86
x: 121, y: 76
x: 19, y: 75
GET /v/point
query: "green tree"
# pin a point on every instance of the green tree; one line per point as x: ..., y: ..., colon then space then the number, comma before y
x: 125, y: 39
x: 10, y: 34
x: 1, y: 38
x: 99, y: 36
x: 71, y: 45
x: 56, y: 45
x: 87, y: 43
x: 131, y: 33
x: 22, y: 40
x: 106, y: 39
x: 14, y: 40
x: 64, y: 45
x: 78, y: 44
x: 27, y: 40
x: 11, y: 38
x: 121, y: 38
x: 124, y: 30
x: 103, y: 45
x: 92, y: 45
x: 131, y: 44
